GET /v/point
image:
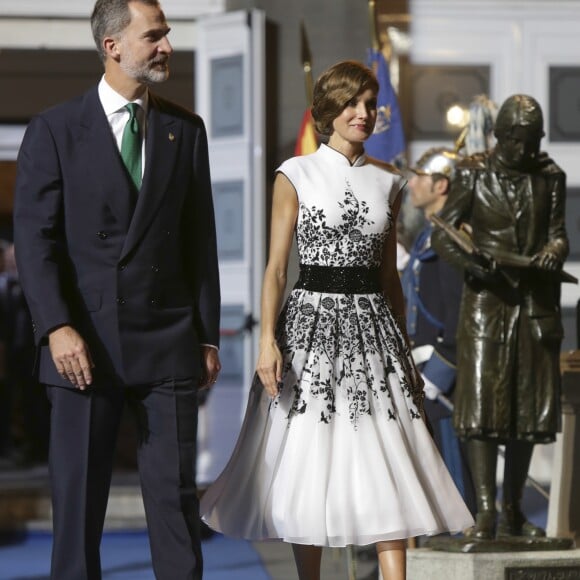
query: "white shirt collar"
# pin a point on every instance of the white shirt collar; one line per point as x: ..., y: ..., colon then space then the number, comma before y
x: 113, y: 102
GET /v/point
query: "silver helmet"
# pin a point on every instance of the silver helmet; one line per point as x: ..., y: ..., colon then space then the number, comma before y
x: 437, y: 161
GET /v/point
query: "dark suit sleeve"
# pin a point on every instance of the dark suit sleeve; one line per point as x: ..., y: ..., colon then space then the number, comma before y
x: 39, y: 229
x: 200, y: 247
x: 451, y: 285
x: 440, y: 369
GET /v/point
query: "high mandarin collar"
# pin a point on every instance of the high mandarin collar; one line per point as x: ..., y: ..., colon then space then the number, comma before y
x: 338, y: 157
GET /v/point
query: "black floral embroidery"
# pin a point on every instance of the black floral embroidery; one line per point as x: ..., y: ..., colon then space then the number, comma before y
x: 343, y: 345
x: 328, y: 302
x: 332, y: 244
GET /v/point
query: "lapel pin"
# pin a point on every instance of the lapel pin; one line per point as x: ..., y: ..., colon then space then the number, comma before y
x: 171, y: 137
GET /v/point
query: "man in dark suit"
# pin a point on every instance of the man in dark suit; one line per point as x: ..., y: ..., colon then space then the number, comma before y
x: 116, y: 252
x: 432, y: 289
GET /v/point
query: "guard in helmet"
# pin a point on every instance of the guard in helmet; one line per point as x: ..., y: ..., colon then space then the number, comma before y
x: 510, y: 330
x: 432, y: 289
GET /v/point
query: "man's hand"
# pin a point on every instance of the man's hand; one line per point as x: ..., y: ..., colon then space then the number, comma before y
x: 211, y: 366
x: 429, y: 388
x: 71, y: 356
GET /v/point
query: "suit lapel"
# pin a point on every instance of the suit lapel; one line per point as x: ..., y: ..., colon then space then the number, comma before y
x: 105, y: 167
x: 162, y: 142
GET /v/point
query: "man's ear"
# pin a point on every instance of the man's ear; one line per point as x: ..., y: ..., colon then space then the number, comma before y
x: 111, y: 48
x: 441, y: 186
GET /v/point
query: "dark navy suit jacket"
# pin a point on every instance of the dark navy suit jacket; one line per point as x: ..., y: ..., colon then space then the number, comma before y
x: 432, y: 288
x: 135, y: 274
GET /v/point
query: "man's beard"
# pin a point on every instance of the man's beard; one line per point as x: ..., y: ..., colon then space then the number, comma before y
x: 146, y: 73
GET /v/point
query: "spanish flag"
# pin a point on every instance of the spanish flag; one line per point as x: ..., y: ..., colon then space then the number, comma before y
x: 307, y: 141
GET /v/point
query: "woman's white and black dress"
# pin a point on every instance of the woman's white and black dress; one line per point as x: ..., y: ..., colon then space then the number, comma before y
x: 342, y: 455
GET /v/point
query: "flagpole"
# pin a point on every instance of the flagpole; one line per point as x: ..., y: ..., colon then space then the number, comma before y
x: 307, y: 141
x: 375, y: 44
x: 306, y: 57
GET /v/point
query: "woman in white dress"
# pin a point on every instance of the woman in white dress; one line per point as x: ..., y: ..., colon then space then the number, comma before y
x: 334, y: 450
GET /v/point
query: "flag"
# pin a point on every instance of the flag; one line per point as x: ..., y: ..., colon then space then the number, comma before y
x: 388, y: 140
x: 307, y: 141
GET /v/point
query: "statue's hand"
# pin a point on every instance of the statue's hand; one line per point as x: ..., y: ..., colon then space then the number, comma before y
x: 484, y: 268
x: 546, y: 260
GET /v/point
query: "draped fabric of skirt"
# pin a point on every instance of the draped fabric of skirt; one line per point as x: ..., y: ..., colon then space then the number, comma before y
x: 341, y: 456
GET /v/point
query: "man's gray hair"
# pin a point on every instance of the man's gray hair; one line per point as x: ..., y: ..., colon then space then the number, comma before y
x: 110, y: 18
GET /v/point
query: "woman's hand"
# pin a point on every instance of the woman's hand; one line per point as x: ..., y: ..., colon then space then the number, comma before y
x: 269, y: 367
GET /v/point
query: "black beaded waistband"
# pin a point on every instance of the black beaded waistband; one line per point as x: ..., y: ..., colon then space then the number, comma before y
x: 339, y: 280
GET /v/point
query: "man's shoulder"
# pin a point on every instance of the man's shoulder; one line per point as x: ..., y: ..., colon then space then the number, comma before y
x: 173, y: 109
x: 65, y: 110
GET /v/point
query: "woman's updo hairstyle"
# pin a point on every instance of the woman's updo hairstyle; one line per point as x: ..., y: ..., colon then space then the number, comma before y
x: 335, y: 88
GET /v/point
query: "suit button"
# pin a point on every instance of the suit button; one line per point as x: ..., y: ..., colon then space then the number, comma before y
x: 155, y: 268
x: 122, y: 266
x: 102, y: 235
x: 120, y: 301
x: 153, y: 301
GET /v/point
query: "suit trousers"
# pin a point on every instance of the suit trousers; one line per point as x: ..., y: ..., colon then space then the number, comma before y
x: 84, y: 427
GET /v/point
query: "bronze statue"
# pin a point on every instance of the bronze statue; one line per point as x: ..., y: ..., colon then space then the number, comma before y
x: 511, y: 199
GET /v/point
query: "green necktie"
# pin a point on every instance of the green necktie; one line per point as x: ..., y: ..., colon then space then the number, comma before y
x: 131, y: 145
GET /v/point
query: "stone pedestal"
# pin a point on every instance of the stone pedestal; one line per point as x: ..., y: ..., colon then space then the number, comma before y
x: 427, y: 564
x: 564, y: 507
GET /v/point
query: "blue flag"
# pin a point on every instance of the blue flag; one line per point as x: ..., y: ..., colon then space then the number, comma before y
x: 387, y: 142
